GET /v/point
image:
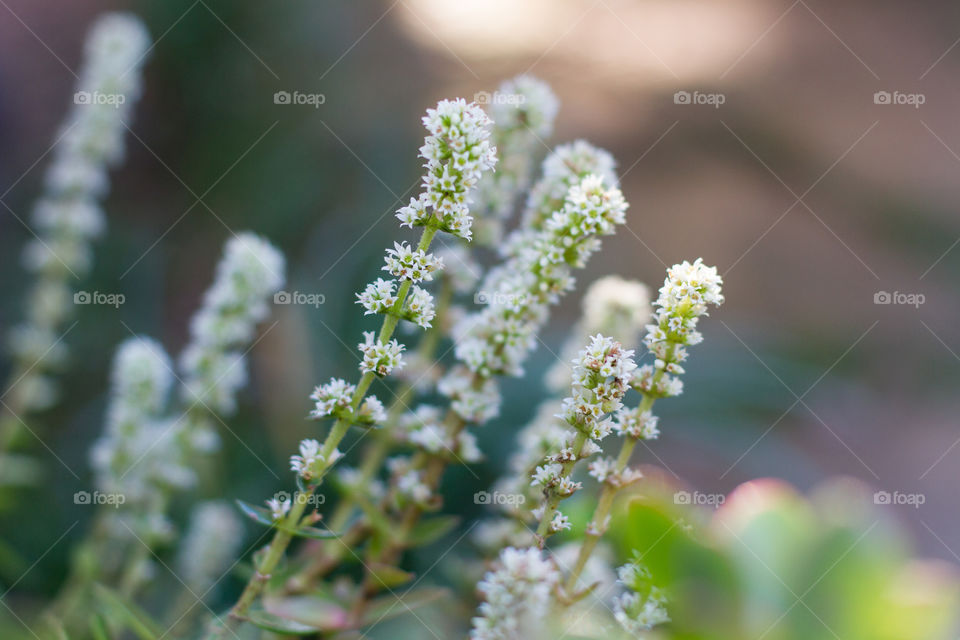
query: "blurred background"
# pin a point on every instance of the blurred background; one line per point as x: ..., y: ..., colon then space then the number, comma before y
x: 785, y: 168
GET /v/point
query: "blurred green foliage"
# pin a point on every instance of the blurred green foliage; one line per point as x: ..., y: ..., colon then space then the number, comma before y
x: 772, y: 564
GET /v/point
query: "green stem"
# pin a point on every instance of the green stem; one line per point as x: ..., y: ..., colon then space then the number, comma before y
x: 605, y: 503
x: 372, y: 460
x: 553, y: 499
x: 282, y: 536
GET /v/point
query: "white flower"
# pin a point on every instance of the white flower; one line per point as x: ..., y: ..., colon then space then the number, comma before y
x: 372, y: 411
x: 635, y: 613
x: 602, y: 469
x: 562, y: 168
x: 379, y: 296
x: 336, y: 394
x: 411, y: 485
x: 68, y: 216
x: 523, y: 111
x: 457, y: 152
x: 547, y: 475
x: 467, y: 448
x: 248, y: 275
x: 642, y: 426
x: 379, y: 358
x: 305, y: 463
x: 559, y: 523
x: 278, y: 508
x: 499, y: 337
x: 517, y: 597
x: 414, y: 265
x: 138, y: 454
x: 419, y: 307
x: 601, y: 376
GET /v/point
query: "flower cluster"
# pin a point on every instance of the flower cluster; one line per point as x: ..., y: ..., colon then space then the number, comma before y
x: 68, y: 216
x: 139, y: 454
x: 248, y: 275
x: 379, y: 358
x: 379, y: 296
x: 414, y: 265
x: 517, y: 596
x: 684, y: 297
x: 304, y: 463
x: 497, y: 339
x: 457, y: 152
x: 209, y: 546
x: 642, y: 606
x: 564, y: 167
x: 424, y: 429
x: 612, y: 306
x: 523, y: 110
x: 601, y: 377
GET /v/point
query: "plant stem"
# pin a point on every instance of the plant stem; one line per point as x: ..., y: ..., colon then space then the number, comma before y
x: 372, y: 460
x: 597, y: 524
x: 553, y: 499
x: 282, y: 536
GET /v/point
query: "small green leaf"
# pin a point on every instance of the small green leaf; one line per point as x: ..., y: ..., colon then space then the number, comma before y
x: 313, y: 610
x: 276, y: 624
x: 313, y: 532
x: 391, y: 606
x: 257, y: 514
x: 431, y: 530
x: 389, y: 576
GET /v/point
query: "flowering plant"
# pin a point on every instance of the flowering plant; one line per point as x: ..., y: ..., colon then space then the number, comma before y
x: 564, y: 544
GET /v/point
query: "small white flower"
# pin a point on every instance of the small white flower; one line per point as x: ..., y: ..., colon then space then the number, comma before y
x: 379, y: 296
x: 305, y: 463
x: 410, y: 264
x: 372, y: 411
x: 336, y: 394
x: 278, y: 508
x: 559, y: 523
x: 379, y: 358
x: 517, y: 596
x: 419, y: 307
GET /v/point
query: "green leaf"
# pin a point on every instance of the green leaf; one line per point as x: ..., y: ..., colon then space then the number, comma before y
x: 389, y: 576
x: 313, y: 532
x: 98, y: 627
x: 257, y: 514
x: 431, y: 530
x: 276, y: 624
x: 390, y: 606
x: 314, y: 610
x: 133, y: 617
